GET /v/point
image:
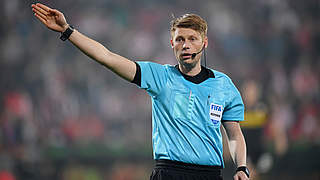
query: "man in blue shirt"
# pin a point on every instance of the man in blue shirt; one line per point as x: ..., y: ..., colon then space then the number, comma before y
x: 189, y: 101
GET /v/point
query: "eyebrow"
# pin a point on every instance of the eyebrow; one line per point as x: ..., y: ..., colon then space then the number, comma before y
x: 180, y: 36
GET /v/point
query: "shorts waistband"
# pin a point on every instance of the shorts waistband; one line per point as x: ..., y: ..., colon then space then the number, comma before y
x: 164, y: 163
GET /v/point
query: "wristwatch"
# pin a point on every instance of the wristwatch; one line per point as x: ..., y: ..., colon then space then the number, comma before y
x: 67, y: 33
x: 244, y: 169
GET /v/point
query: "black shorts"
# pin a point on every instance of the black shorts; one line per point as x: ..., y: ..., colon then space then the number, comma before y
x: 174, y: 170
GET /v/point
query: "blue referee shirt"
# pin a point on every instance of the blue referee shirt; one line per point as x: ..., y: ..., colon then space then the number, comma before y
x: 186, y: 116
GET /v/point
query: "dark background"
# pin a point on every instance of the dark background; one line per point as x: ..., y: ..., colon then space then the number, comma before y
x: 63, y: 116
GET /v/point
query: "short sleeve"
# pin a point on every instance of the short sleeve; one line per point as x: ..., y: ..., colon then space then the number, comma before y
x: 153, y: 77
x: 234, y: 110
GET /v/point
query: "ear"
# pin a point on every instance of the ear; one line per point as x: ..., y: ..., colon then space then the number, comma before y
x: 171, y: 43
x: 205, y: 41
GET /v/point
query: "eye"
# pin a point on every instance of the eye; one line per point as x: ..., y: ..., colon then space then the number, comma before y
x: 179, y: 39
x: 193, y: 39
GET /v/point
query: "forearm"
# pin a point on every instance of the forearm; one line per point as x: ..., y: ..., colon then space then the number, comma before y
x: 238, y: 150
x: 118, y: 64
x: 236, y: 143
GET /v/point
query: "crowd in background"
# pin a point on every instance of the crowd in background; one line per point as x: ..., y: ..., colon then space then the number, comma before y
x: 53, y: 96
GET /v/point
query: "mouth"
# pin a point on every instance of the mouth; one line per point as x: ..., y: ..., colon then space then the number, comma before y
x: 185, y: 56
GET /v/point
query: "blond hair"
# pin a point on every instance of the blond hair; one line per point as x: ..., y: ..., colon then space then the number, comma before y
x: 191, y: 21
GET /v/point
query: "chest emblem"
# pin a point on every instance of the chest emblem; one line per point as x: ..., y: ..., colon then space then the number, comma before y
x: 215, y: 113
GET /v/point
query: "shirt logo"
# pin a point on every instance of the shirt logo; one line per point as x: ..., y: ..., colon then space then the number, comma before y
x: 215, y: 113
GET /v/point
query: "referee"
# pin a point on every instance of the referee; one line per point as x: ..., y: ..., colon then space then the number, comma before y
x: 189, y: 102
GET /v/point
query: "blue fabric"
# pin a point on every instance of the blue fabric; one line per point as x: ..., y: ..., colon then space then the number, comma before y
x: 186, y: 117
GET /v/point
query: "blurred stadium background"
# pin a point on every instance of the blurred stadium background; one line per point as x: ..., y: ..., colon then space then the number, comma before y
x: 63, y: 116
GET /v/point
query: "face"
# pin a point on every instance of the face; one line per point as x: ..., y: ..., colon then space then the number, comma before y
x: 186, y: 41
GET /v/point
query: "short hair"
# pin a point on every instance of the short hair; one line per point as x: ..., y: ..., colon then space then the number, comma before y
x: 191, y: 21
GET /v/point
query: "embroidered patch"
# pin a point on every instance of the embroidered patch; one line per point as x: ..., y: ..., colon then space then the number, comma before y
x: 215, y: 113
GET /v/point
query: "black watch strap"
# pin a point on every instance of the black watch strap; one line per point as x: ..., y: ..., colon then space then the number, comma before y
x: 67, y: 33
x: 244, y: 169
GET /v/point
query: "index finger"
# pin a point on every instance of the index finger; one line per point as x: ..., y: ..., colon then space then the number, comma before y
x: 46, y: 8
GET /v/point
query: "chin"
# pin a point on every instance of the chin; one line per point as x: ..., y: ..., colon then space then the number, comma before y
x: 190, y: 63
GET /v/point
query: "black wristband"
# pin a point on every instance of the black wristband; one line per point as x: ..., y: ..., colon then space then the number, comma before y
x: 67, y: 33
x: 244, y: 169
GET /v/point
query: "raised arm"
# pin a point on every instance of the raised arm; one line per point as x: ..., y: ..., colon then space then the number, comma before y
x: 56, y: 21
x: 237, y: 147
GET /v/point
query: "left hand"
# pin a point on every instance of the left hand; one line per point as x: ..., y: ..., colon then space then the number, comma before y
x: 240, y: 175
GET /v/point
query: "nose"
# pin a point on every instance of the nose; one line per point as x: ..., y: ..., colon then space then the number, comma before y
x: 186, y: 45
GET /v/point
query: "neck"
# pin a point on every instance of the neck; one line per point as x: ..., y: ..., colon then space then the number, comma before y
x: 190, y: 70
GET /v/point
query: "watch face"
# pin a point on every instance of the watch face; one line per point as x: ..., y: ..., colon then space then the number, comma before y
x: 247, y: 172
x: 244, y: 169
x: 66, y: 34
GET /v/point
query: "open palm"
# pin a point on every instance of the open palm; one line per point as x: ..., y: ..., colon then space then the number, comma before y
x: 51, y: 18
